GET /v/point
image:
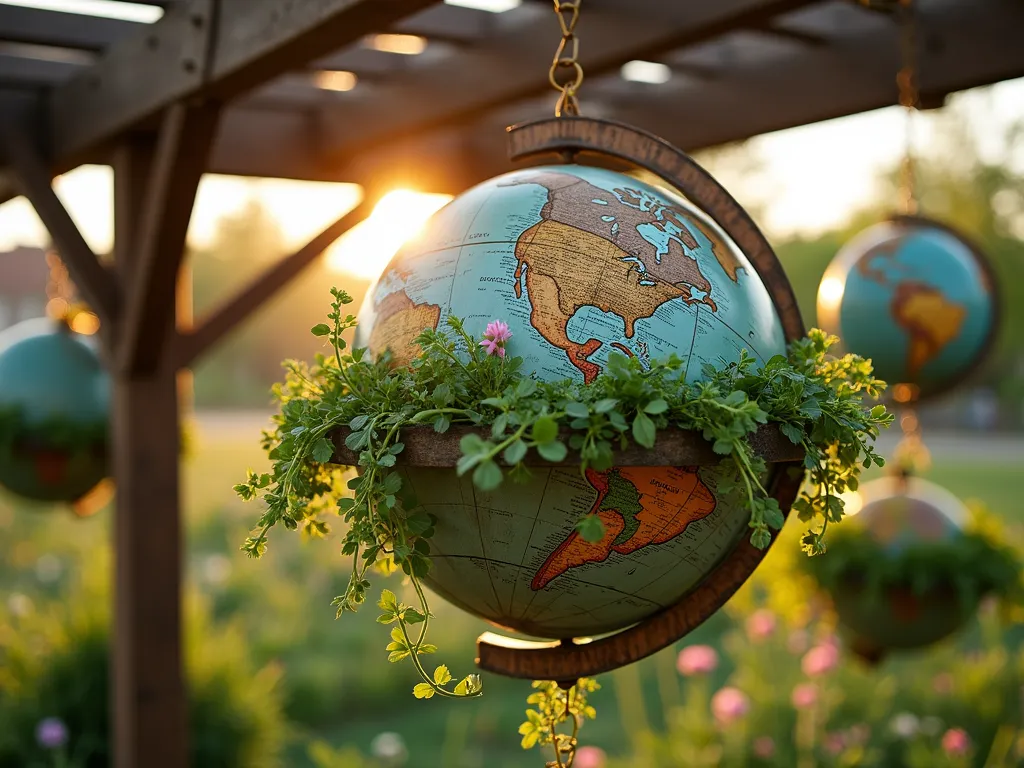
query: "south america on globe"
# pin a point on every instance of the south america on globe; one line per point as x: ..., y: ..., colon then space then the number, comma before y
x: 582, y: 263
x: 915, y: 298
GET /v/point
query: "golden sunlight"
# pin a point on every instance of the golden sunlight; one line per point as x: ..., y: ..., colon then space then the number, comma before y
x: 854, y: 502
x: 368, y: 247
x: 830, y: 292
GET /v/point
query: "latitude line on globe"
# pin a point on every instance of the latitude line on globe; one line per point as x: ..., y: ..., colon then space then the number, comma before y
x: 480, y: 533
x: 458, y: 257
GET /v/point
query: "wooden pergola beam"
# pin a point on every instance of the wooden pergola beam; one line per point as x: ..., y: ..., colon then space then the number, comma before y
x: 191, y: 344
x: 202, y: 49
x: 29, y: 171
x: 69, y: 30
x: 181, y: 155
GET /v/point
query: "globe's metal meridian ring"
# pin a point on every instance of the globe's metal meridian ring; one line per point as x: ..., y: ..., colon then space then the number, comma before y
x: 609, y: 141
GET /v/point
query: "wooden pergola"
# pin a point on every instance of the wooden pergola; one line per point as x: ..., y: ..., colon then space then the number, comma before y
x: 235, y: 87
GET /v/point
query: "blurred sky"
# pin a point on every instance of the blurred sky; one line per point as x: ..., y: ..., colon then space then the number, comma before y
x: 810, y: 179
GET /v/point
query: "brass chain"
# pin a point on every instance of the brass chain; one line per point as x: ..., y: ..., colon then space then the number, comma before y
x: 906, y: 80
x: 567, y: 58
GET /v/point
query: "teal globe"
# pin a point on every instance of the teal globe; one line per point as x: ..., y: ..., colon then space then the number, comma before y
x: 54, y: 405
x: 915, y: 298
x: 582, y: 263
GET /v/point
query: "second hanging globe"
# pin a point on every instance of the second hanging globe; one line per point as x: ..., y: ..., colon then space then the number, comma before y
x: 915, y: 297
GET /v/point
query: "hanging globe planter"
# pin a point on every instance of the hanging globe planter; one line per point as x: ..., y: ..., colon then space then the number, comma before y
x: 909, y: 568
x: 54, y: 406
x: 917, y: 298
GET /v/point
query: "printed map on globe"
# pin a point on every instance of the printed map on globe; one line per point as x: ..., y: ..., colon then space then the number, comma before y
x: 914, y: 299
x: 581, y: 263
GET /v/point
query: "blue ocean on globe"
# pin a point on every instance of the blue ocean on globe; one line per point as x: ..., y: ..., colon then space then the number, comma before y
x: 913, y: 298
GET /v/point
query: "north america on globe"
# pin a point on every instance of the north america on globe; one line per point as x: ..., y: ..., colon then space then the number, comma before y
x: 582, y: 263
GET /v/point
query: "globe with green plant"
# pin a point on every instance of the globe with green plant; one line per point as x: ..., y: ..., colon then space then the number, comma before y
x: 582, y: 265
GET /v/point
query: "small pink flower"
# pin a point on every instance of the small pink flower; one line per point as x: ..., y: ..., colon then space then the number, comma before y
x: 761, y: 624
x: 589, y: 757
x: 764, y: 747
x: 956, y: 742
x: 697, y: 660
x: 834, y: 743
x: 495, y: 336
x: 729, y: 704
x: 805, y: 696
x: 820, y: 660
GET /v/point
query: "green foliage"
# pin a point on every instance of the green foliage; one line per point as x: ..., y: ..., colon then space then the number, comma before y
x: 56, y: 433
x: 56, y: 664
x: 552, y: 707
x: 971, y: 565
x: 817, y: 401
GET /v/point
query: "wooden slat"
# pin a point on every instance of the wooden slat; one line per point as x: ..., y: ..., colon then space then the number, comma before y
x: 69, y: 30
x: 191, y: 344
x: 180, y: 157
x: 515, y: 66
x: 188, y: 53
x: 96, y: 285
x: 675, y: 448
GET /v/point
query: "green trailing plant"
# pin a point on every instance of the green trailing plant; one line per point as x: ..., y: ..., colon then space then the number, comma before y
x: 56, y: 433
x: 817, y: 401
x: 971, y: 565
x: 553, y: 706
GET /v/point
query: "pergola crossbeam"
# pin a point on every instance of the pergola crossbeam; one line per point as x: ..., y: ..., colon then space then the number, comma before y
x: 96, y: 284
x: 193, y: 343
x: 202, y: 49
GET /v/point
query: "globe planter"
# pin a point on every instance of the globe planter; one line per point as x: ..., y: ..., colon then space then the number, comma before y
x: 905, y: 573
x: 54, y: 404
x: 649, y: 323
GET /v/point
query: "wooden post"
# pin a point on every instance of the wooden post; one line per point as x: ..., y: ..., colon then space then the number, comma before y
x: 150, y: 712
x: 150, y: 717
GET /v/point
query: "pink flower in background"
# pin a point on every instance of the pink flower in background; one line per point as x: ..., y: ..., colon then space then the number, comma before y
x: 51, y: 733
x: 761, y: 624
x: 834, y: 743
x: 729, y: 704
x: 764, y: 747
x: 805, y: 696
x: 495, y: 336
x: 589, y: 757
x: 956, y: 742
x: 820, y: 660
x: 697, y: 660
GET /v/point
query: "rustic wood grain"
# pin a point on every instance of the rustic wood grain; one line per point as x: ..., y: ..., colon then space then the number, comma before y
x: 674, y: 447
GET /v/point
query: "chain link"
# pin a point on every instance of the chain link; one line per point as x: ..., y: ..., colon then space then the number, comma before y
x: 567, y: 58
x: 906, y: 80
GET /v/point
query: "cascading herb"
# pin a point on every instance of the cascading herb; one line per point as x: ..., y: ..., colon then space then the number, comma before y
x: 818, y: 402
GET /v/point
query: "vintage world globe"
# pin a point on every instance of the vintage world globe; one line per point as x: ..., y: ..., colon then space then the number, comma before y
x: 54, y: 404
x: 581, y: 263
x: 916, y: 298
x: 902, y: 514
